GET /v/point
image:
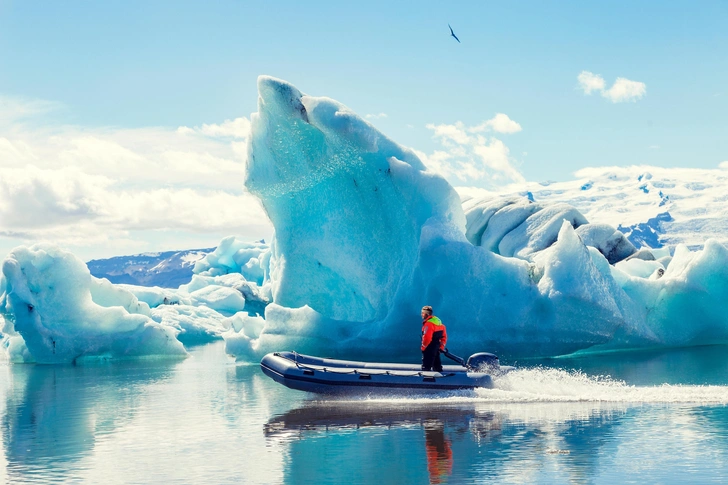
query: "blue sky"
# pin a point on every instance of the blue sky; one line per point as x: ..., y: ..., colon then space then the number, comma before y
x: 116, y: 67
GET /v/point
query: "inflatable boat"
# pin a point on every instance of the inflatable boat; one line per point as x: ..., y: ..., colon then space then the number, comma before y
x: 330, y: 376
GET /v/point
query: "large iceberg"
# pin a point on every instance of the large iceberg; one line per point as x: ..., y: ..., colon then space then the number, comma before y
x: 348, y: 205
x: 365, y: 235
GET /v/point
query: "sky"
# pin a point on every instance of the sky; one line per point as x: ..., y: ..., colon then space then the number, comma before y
x: 123, y: 125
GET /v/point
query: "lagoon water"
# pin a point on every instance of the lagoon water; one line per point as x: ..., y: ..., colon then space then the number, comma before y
x: 660, y: 417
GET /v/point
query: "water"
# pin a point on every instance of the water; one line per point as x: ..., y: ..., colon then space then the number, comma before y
x: 660, y: 417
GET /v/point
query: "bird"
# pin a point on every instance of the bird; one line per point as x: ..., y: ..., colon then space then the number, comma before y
x: 453, y: 34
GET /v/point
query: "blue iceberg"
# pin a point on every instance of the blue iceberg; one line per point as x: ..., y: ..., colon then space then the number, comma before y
x: 366, y: 235
x: 56, y: 312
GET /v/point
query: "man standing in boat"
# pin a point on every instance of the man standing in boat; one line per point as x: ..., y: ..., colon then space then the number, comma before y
x: 434, y: 338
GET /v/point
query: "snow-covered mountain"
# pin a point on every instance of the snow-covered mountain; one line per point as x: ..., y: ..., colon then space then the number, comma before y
x: 653, y: 206
x: 168, y: 269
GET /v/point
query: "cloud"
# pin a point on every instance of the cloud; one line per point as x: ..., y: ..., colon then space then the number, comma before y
x: 621, y: 91
x: 590, y: 82
x: 90, y: 189
x: 723, y: 165
x: 500, y: 123
x: 625, y: 90
x: 237, y: 128
x: 35, y: 198
x: 14, y: 109
x: 375, y: 117
x: 471, y: 157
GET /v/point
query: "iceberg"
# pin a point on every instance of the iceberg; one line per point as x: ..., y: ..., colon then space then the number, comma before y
x: 348, y: 204
x: 235, y: 256
x: 365, y: 235
x: 194, y: 325
x: 56, y: 312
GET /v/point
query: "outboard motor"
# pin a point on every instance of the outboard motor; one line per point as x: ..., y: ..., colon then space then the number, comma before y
x: 483, y: 361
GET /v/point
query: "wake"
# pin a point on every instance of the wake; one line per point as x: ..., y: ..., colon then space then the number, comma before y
x: 557, y: 385
x: 546, y: 385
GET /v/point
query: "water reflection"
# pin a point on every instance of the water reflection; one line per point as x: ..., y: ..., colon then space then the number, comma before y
x: 438, y: 443
x: 208, y: 420
x: 55, y: 415
x: 705, y: 365
x: 439, y: 452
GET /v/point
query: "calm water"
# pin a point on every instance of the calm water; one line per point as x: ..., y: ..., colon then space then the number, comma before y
x: 660, y: 418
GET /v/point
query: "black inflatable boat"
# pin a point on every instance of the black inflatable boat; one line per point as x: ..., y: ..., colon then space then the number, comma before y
x: 330, y: 376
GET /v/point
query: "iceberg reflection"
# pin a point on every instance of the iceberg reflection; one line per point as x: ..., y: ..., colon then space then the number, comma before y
x: 55, y: 415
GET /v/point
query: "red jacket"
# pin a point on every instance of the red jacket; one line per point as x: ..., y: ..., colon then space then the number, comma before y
x: 431, y: 325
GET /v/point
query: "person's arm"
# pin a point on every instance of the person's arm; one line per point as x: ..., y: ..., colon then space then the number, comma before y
x: 443, y: 340
x: 427, y: 336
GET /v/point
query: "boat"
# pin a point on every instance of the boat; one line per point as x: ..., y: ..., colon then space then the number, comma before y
x: 331, y: 376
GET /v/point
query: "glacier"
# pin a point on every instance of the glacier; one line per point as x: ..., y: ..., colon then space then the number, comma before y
x: 365, y: 235
x: 656, y: 206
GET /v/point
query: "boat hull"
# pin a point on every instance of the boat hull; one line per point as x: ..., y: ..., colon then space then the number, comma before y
x: 329, y: 376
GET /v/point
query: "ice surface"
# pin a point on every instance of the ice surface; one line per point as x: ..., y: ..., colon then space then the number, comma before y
x: 229, y: 293
x: 610, y: 242
x: 639, y: 267
x: 348, y: 204
x: 520, y: 227
x: 478, y: 212
x: 539, y: 231
x: 235, y: 256
x: 62, y: 314
x: 195, y: 324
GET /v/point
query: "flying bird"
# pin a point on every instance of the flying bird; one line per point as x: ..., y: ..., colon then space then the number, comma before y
x: 453, y: 34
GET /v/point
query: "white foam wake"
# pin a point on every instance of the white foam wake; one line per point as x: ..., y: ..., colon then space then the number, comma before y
x: 546, y: 385
x: 556, y: 385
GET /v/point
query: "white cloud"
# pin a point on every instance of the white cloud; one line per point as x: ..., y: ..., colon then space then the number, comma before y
x: 237, y: 128
x: 500, y: 123
x: 375, y: 117
x: 449, y: 134
x: 17, y: 109
x: 590, y: 82
x: 625, y: 90
x: 95, y: 190
x: 621, y: 91
x: 723, y: 165
x: 471, y: 157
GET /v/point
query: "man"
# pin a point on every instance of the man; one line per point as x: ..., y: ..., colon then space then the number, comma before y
x: 434, y: 338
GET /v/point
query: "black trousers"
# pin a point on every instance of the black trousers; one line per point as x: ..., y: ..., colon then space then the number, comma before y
x: 431, y: 356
